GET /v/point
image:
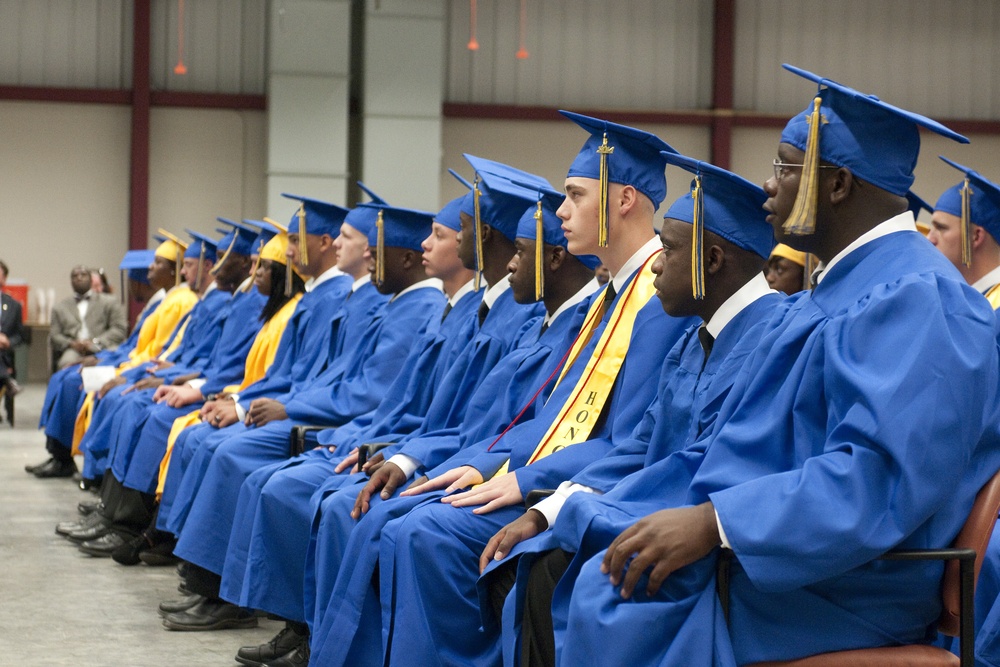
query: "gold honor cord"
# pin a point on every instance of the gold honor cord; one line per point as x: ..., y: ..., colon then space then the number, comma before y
x: 253, y: 274
x: 583, y: 408
x: 698, y: 241
x: 303, y: 248
x: 201, y: 263
x: 477, y: 233
x: 539, y: 253
x: 802, y: 221
x: 604, y: 150
x: 966, y: 225
x: 289, y: 269
x: 380, y: 249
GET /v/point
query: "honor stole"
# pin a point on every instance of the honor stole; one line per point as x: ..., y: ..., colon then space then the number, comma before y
x: 583, y: 408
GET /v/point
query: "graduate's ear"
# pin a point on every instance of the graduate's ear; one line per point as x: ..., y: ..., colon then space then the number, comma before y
x: 628, y: 198
x: 556, y: 256
x: 487, y: 232
x: 715, y: 259
x: 978, y: 236
x: 841, y: 184
x: 410, y: 259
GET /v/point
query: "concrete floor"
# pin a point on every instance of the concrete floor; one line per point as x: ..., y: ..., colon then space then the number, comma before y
x: 61, y: 607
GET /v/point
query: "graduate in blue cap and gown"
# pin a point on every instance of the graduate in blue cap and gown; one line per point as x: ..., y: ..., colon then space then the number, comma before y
x: 613, y: 189
x: 307, y: 344
x: 364, y: 374
x: 404, y: 405
x: 827, y: 451
x: 269, y: 580
x: 722, y: 240
x: 965, y: 227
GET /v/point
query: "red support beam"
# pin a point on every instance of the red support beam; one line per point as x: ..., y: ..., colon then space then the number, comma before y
x: 723, y: 78
x: 138, y: 226
x: 165, y: 98
x: 74, y: 95
x: 512, y: 112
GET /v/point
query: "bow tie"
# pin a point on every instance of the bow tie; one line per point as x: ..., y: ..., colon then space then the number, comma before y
x: 82, y: 297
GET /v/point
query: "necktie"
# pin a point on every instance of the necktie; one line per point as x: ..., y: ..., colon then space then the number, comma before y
x: 447, y: 309
x: 610, y: 293
x: 484, y: 310
x: 706, y: 339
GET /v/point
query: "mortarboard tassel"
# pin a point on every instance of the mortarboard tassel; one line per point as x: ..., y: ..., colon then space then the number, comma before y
x: 218, y: 265
x: 201, y: 260
x: 802, y: 221
x: 253, y: 274
x: 380, y: 250
x: 808, y: 270
x: 698, y: 241
x: 539, y: 254
x: 478, y: 231
x: 966, y: 224
x: 602, y: 230
x: 288, y: 279
x: 303, y: 250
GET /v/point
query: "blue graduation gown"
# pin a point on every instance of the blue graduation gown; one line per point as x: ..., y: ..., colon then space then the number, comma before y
x: 140, y: 439
x: 690, y: 392
x: 268, y: 574
x: 454, y: 570
x: 827, y: 453
x: 368, y: 371
x: 302, y: 353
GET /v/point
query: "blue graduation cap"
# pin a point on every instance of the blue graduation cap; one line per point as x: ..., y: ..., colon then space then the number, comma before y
x: 724, y: 204
x: 374, y: 197
x: 876, y: 141
x: 449, y: 215
x: 619, y: 154
x: 201, y: 247
x: 498, y: 201
x: 915, y: 205
x: 540, y: 224
x: 264, y: 232
x: 238, y: 240
x: 137, y: 262
x: 976, y: 200
x: 461, y: 179
x: 362, y: 217
x: 397, y: 228
x: 314, y: 217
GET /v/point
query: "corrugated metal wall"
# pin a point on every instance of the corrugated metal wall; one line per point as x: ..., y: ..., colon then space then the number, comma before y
x: 627, y: 54
x: 939, y: 58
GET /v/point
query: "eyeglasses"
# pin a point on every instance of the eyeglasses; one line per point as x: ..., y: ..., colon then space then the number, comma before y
x: 781, y: 168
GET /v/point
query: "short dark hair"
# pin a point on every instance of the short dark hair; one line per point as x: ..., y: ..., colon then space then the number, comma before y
x: 3, y: 267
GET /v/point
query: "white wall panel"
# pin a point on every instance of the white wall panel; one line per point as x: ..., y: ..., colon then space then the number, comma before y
x: 630, y: 54
x: 66, y: 43
x: 939, y: 58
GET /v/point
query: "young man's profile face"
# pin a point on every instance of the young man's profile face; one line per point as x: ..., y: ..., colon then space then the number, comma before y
x: 522, y: 271
x: 580, y: 215
x: 672, y: 268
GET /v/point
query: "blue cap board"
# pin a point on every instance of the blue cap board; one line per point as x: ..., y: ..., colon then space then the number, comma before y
x: 201, y: 247
x: 403, y: 227
x: 239, y: 239
x: 876, y: 141
x: 136, y: 259
x: 374, y: 197
x: 983, y: 197
x: 501, y: 201
x: 552, y: 232
x: 916, y: 204
x: 461, y: 179
x: 728, y: 205
x: 320, y: 217
x: 634, y: 159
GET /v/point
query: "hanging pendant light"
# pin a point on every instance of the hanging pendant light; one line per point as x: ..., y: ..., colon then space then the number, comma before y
x: 179, y: 68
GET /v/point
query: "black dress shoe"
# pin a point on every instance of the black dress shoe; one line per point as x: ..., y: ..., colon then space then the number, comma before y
x: 88, y: 484
x: 103, y: 546
x: 53, y: 468
x: 64, y: 528
x: 280, y: 645
x: 297, y: 658
x: 177, y: 606
x: 87, y: 507
x: 160, y: 553
x: 210, y: 615
x: 32, y: 468
x: 128, y: 553
x: 87, y: 534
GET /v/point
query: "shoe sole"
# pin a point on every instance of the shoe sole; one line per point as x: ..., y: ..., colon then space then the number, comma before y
x: 96, y: 553
x: 248, y: 662
x: 223, y: 624
x: 157, y: 560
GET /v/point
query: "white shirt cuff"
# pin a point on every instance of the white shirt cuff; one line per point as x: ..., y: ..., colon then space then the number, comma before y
x: 197, y: 383
x: 551, y: 506
x: 241, y: 414
x: 722, y: 532
x: 407, y: 464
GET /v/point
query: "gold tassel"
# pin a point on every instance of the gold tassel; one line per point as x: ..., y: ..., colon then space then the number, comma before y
x: 303, y: 250
x: 698, y: 241
x: 539, y: 254
x: 478, y: 231
x: 288, y: 278
x: 802, y: 221
x: 807, y: 271
x: 253, y: 274
x: 225, y: 255
x: 602, y: 223
x: 380, y: 250
x: 201, y: 263
x: 966, y: 224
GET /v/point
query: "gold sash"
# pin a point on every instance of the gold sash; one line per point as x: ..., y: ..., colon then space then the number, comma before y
x: 993, y: 296
x: 581, y: 411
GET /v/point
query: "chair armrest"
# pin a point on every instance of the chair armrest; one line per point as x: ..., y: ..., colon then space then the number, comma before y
x: 535, y: 496
x: 367, y: 450
x: 297, y: 438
